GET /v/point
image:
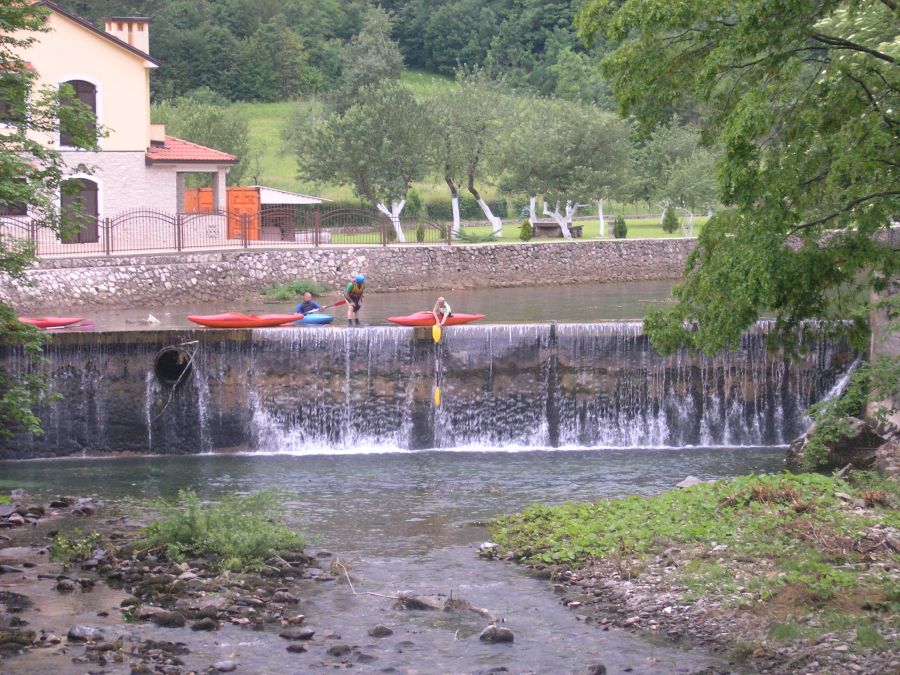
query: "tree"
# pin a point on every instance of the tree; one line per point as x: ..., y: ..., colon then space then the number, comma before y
x: 467, y: 122
x: 670, y: 221
x: 375, y: 147
x: 31, y: 175
x: 571, y: 154
x: 217, y: 127
x: 676, y: 171
x: 370, y: 57
x: 803, y: 99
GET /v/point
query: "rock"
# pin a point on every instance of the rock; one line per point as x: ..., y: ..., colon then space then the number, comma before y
x: 225, y: 666
x: 205, y: 624
x: 690, y: 481
x: 297, y: 634
x: 147, y: 611
x: 285, y: 598
x: 66, y: 585
x: 419, y: 602
x: 6, y: 510
x: 9, y: 569
x: 79, y: 633
x: 494, y: 633
x: 339, y: 650
x: 380, y: 631
x: 858, y: 445
x: 62, y: 502
x: 15, y: 519
x: 166, y: 619
x: 887, y: 458
x: 296, y: 648
x: 296, y: 619
x: 632, y: 620
x: 12, y: 639
x: 596, y: 669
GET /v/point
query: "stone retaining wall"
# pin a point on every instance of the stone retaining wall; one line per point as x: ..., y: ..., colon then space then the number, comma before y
x: 125, y: 281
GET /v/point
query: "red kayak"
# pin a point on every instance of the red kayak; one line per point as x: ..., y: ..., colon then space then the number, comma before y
x: 51, y: 321
x: 425, y: 318
x: 238, y: 320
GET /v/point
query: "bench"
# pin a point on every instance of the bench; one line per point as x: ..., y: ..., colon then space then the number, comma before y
x: 550, y: 228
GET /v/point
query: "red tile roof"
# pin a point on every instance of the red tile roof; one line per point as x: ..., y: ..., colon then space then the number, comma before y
x: 175, y: 150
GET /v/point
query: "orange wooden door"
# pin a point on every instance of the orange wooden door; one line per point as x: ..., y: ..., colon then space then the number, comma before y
x: 243, y: 202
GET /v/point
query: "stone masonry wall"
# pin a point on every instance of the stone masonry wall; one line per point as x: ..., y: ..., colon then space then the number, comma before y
x: 126, y: 281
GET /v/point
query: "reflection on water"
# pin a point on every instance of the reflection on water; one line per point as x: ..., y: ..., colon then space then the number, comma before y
x: 570, y: 303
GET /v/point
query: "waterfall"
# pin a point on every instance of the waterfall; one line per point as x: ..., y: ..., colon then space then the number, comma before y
x: 504, y: 387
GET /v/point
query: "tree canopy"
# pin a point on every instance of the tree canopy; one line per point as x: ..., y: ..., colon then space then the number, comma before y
x: 803, y: 99
x: 31, y: 173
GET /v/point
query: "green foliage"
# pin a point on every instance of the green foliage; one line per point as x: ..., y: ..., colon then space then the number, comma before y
x: 238, y: 533
x: 76, y: 547
x: 802, y: 101
x: 620, y: 228
x: 414, y: 204
x: 420, y: 232
x: 473, y: 237
x: 31, y: 175
x: 294, y: 290
x: 873, y: 382
x: 869, y: 638
x: 793, y: 526
x: 525, y: 230
x: 670, y: 221
x: 225, y: 129
x: 374, y: 146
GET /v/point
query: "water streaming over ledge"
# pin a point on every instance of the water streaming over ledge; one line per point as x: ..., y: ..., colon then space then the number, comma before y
x: 329, y: 391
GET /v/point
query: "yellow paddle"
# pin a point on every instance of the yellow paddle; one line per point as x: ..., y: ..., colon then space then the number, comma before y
x: 436, y: 332
x: 437, y: 396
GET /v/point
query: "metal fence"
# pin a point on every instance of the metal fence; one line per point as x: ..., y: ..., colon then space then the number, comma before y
x: 148, y: 231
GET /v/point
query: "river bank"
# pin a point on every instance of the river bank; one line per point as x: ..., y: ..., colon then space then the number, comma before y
x: 785, y: 574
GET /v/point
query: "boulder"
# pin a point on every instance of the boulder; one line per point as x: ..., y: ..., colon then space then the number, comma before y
x: 380, y: 631
x: 79, y: 633
x: 887, y: 458
x: 495, y: 633
x: 858, y: 445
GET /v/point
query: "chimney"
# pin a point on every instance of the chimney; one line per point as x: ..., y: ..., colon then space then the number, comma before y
x: 135, y: 30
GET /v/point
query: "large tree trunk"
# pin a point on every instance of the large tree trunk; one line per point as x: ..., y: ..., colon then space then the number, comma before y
x: 562, y: 220
x: 602, y: 231
x: 454, y: 202
x: 495, y: 222
x: 690, y: 228
x: 394, y: 214
x: 532, y: 210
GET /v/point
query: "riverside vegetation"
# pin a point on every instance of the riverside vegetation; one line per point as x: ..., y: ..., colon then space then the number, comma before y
x: 786, y: 571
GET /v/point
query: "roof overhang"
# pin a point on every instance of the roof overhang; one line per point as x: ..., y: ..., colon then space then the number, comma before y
x: 269, y: 195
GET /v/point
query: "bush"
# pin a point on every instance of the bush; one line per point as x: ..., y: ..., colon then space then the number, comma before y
x: 293, y: 290
x: 670, y: 221
x: 472, y: 238
x: 420, y: 233
x: 238, y: 533
x: 525, y: 230
x: 620, y: 229
x: 441, y: 210
x: 414, y: 204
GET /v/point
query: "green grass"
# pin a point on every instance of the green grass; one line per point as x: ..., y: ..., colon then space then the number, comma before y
x: 644, y: 228
x: 792, y: 527
x: 293, y: 290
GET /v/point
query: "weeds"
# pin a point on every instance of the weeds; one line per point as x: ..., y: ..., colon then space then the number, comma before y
x: 74, y: 548
x: 293, y: 290
x: 238, y: 533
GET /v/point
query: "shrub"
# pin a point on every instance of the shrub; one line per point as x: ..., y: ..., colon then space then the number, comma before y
x: 76, y: 548
x: 442, y: 209
x: 414, y: 204
x: 420, y: 233
x: 238, y: 533
x: 472, y: 238
x: 525, y: 230
x: 620, y: 229
x: 670, y: 221
x: 293, y: 290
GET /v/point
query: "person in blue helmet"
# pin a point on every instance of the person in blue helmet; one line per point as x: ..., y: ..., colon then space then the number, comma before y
x: 353, y: 293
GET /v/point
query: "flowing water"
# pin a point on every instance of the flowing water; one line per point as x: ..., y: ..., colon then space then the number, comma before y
x: 411, y: 521
x: 344, y: 423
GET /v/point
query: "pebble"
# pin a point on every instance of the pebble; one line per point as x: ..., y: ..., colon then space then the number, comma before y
x: 225, y: 666
x: 380, y: 631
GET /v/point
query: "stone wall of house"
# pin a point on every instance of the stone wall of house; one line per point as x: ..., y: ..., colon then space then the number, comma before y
x: 126, y: 182
x: 127, y: 281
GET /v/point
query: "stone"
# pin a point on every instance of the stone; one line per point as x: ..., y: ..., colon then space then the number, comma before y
x: 80, y: 633
x: 166, y: 619
x: 690, y: 481
x: 339, y: 650
x: 205, y: 623
x: 858, y: 446
x: 494, y: 633
x: 296, y: 648
x: 285, y: 598
x: 225, y: 666
x: 9, y: 569
x: 380, y: 631
x: 66, y: 586
x: 596, y: 669
x: 297, y: 634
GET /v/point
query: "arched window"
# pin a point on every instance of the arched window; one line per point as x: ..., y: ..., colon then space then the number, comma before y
x: 71, y: 125
x: 78, y: 211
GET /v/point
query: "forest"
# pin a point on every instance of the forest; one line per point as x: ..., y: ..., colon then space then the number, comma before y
x: 274, y: 50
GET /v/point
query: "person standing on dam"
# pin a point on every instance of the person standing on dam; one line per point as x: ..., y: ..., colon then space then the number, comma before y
x: 353, y: 293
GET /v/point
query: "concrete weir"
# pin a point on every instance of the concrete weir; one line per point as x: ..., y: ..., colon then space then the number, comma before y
x: 329, y: 390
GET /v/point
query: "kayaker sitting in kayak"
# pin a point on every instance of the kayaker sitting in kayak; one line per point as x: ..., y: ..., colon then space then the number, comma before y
x: 308, y: 305
x: 441, y: 311
x: 353, y: 294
